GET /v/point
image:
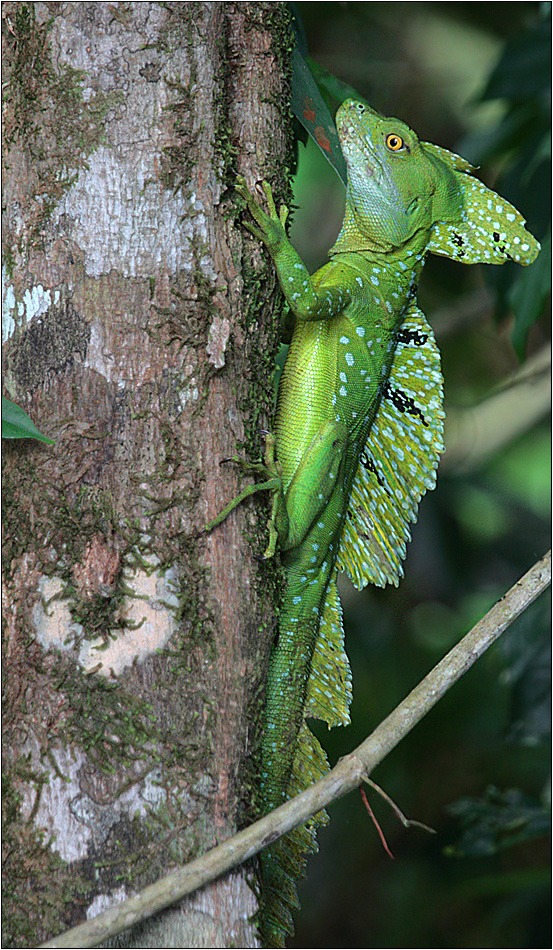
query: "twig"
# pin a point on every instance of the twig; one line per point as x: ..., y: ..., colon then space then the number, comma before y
x: 375, y: 823
x: 348, y: 774
x: 406, y: 822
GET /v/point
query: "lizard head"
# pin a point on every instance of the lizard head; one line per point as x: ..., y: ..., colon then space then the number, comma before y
x: 399, y: 187
x: 394, y: 187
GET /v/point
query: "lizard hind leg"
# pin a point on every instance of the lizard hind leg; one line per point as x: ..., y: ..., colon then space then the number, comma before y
x: 278, y: 522
x: 315, y: 482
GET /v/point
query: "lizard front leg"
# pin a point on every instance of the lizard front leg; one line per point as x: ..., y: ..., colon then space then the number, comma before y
x: 306, y: 301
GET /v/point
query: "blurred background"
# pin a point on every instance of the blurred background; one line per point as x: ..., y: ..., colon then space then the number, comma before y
x: 475, y: 78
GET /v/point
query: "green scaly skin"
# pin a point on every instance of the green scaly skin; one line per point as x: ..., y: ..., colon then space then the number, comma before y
x: 339, y: 388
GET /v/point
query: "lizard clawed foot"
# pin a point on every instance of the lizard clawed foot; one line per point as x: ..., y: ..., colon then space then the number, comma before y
x: 268, y: 466
x: 268, y: 228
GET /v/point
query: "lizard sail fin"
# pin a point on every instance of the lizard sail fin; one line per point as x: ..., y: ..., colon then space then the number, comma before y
x: 454, y: 161
x: 398, y: 464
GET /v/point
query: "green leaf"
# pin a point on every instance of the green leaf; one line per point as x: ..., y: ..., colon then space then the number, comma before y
x: 523, y: 127
x: 524, y: 70
x: 17, y: 425
x: 525, y: 654
x: 312, y: 112
x: 333, y: 90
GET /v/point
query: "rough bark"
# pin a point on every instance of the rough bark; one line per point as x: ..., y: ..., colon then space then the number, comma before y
x: 140, y: 336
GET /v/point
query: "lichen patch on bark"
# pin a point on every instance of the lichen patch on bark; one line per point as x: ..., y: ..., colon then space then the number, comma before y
x: 69, y: 815
x: 146, y: 615
x: 35, y: 302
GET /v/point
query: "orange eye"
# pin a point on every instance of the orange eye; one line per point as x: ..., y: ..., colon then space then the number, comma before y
x: 394, y: 142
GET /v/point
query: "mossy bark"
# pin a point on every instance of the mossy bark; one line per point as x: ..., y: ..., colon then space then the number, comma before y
x: 141, y: 331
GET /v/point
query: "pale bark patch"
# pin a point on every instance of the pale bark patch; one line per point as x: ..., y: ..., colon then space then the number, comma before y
x: 148, y: 610
x: 139, y: 227
x: 219, y: 333
x: 70, y: 816
x: 102, y: 901
x: 35, y: 302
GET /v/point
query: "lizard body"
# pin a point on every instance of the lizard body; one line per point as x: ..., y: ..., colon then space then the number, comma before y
x: 359, y: 428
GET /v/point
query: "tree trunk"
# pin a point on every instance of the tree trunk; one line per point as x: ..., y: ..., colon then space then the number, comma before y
x: 141, y: 338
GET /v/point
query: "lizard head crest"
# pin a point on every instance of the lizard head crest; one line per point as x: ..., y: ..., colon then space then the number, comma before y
x: 488, y: 229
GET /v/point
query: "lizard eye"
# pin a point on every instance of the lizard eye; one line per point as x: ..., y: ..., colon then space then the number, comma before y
x: 394, y: 142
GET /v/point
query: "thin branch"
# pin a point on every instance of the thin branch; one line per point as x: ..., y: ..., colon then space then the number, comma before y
x: 348, y: 774
x: 376, y: 825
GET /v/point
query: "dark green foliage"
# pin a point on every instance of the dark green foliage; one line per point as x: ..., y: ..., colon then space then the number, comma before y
x: 496, y: 821
x: 526, y: 656
x: 524, y: 69
x: 521, y: 142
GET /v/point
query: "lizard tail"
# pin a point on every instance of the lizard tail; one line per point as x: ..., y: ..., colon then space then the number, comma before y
x: 327, y: 697
x: 284, y: 862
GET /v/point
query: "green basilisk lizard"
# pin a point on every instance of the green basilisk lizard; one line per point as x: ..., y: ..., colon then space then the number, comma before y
x: 359, y: 429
